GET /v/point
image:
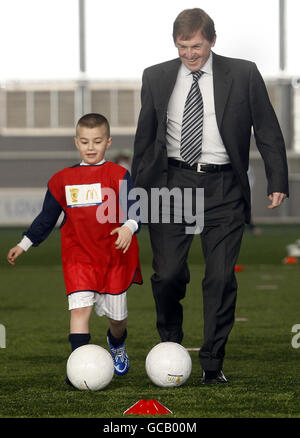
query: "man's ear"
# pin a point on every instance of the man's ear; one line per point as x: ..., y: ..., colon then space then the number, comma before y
x: 214, y: 41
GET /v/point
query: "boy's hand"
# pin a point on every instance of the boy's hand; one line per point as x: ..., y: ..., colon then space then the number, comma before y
x: 13, y: 254
x: 124, y: 238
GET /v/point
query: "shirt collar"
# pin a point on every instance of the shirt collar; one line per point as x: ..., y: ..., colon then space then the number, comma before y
x: 97, y: 164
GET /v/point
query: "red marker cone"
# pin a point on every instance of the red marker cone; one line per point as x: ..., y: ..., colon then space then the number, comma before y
x: 147, y: 407
x: 290, y: 260
x: 239, y: 268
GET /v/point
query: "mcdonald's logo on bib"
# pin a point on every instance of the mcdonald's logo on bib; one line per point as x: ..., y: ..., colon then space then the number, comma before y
x: 84, y: 195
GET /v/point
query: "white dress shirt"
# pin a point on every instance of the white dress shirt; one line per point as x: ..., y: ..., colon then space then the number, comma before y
x: 213, y: 149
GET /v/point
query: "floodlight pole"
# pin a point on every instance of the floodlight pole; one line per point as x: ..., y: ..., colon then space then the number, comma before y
x: 285, y: 87
x: 285, y: 94
x: 82, y: 35
x: 282, y: 35
x: 82, y: 85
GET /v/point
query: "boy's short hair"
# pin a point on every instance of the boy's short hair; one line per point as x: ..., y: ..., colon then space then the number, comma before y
x: 92, y: 120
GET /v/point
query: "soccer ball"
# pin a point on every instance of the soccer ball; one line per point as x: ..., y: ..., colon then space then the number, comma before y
x: 90, y: 367
x: 168, y: 364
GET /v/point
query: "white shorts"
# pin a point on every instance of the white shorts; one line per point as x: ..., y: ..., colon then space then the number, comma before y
x: 112, y: 306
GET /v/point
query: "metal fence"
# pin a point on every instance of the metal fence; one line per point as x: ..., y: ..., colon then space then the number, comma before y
x: 37, y: 127
x: 53, y: 108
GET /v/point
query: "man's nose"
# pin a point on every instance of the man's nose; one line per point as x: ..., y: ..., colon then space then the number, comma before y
x: 189, y: 53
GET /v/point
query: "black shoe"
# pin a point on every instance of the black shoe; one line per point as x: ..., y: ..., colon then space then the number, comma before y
x: 211, y: 377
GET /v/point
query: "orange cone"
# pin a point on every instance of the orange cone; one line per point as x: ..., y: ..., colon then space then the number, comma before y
x: 239, y: 268
x: 290, y: 260
x: 147, y: 407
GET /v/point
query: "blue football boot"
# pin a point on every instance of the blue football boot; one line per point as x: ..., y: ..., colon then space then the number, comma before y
x: 120, y: 358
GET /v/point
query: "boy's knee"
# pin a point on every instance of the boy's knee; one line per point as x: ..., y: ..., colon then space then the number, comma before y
x: 117, y: 323
x: 81, y: 312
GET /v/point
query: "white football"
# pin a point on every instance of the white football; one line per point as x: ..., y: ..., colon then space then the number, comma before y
x: 90, y: 367
x: 168, y: 364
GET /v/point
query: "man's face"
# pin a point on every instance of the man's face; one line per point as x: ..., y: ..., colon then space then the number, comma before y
x: 92, y: 143
x: 194, y: 52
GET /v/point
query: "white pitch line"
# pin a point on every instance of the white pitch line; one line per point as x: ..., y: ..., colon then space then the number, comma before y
x: 271, y: 277
x: 267, y: 287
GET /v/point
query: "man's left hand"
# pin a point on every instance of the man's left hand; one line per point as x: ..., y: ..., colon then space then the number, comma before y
x: 277, y: 199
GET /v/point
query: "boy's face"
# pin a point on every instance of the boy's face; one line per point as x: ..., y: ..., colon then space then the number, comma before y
x: 92, y: 143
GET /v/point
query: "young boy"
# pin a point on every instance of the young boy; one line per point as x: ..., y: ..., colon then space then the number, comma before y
x: 100, y: 258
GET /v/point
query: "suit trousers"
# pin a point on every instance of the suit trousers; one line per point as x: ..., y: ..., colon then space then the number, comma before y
x: 224, y: 219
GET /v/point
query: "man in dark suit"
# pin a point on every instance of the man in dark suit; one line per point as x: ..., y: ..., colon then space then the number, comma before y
x: 193, y: 132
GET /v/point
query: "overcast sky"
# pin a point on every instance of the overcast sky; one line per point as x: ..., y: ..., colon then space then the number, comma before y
x: 39, y: 38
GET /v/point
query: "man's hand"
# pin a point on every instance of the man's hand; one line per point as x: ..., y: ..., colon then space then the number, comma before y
x: 13, y: 254
x: 277, y: 199
x: 124, y: 238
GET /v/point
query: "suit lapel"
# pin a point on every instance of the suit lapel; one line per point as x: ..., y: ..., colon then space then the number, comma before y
x: 168, y: 82
x: 222, y: 85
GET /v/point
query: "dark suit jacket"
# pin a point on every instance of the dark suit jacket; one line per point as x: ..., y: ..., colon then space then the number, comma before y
x: 241, y: 102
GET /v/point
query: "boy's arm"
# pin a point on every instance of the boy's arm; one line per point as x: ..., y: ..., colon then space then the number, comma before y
x: 40, y: 228
x: 131, y: 218
x: 124, y: 237
x: 132, y: 225
x: 129, y: 204
x: 13, y: 254
x: 25, y: 243
x: 44, y: 223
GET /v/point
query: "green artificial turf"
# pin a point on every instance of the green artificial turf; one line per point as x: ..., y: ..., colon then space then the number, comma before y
x: 262, y: 367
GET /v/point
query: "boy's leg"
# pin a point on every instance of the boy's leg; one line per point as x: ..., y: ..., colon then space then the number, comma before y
x: 116, y: 336
x: 79, y: 320
x: 117, y: 331
x: 115, y: 308
x: 79, y: 327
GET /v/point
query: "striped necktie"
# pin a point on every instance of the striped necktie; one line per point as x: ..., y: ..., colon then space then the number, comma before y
x: 192, y: 123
